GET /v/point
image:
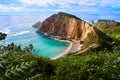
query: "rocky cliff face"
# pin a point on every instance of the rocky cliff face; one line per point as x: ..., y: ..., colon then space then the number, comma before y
x: 67, y: 26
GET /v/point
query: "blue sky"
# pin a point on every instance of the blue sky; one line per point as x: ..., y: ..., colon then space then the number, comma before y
x: 84, y: 9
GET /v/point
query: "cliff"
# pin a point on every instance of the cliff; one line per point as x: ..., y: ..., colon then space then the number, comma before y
x: 67, y: 26
x: 102, y: 24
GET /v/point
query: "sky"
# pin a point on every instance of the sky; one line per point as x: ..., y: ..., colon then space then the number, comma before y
x: 84, y: 9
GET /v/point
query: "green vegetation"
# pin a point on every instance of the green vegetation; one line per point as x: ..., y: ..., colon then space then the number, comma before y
x: 109, y: 38
x: 69, y: 15
x: 89, y: 67
x: 102, y: 63
x: 21, y: 65
x: 18, y: 64
x: 113, y: 32
x: 105, y: 41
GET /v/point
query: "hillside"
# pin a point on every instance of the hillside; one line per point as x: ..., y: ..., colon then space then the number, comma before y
x: 103, y: 24
x: 113, y: 32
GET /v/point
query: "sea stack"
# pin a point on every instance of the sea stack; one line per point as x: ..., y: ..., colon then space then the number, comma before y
x: 68, y: 27
x: 38, y: 24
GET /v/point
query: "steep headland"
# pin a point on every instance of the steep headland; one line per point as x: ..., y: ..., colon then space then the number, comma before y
x: 82, y: 35
x: 69, y: 27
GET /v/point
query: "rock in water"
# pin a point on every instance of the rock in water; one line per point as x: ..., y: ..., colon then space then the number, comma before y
x: 38, y: 24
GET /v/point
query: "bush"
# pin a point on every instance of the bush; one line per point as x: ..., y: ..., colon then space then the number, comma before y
x: 89, y: 67
x: 18, y: 64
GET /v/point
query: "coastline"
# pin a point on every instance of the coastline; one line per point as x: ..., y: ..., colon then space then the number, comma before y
x: 66, y: 51
x: 74, y: 46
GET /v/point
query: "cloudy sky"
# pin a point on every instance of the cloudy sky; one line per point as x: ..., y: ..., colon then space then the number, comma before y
x: 85, y: 9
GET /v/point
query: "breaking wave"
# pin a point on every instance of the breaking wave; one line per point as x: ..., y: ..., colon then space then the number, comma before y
x: 20, y: 33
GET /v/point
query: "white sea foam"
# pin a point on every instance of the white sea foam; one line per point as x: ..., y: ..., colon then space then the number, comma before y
x: 20, y: 33
x: 5, y: 30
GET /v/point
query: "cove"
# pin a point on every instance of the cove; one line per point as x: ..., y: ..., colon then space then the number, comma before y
x: 19, y: 31
x: 43, y: 45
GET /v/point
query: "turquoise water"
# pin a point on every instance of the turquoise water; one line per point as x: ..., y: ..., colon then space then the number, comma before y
x: 20, y: 31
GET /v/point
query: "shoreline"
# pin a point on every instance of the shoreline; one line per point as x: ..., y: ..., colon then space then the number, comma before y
x: 74, y: 46
x: 66, y: 51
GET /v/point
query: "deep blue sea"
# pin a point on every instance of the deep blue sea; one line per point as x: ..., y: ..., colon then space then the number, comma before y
x: 20, y: 31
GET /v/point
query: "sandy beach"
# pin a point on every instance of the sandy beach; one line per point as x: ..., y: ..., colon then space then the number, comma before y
x: 74, y: 46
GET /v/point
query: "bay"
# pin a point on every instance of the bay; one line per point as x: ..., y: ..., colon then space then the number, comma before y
x: 20, y: 31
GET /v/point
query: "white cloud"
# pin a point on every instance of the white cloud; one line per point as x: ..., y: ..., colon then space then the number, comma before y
x: 62, y: 3
x: 88, y: 8
x: 6, y: 8
x: 56, y: 5
x: 40, y: 3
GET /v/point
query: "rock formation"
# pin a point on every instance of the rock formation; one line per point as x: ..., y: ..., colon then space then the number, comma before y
x: 67, y: 26
x: 38, y: 24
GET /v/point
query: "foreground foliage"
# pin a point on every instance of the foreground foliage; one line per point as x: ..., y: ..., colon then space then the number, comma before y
x: 16, y: 64
x: 20, y: 64
x: 89, y: 67
x: 96, y: 64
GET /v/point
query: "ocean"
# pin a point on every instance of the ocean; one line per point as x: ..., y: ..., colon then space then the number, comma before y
x: 20, y: 31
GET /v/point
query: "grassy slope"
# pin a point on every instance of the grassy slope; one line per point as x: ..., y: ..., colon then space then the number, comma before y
x: 113, y: 32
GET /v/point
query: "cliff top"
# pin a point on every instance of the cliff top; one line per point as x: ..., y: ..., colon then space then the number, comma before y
x: 68, y: 15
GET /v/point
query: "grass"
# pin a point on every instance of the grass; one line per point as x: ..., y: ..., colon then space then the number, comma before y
x: 113, y: 32
x: 69, y: 15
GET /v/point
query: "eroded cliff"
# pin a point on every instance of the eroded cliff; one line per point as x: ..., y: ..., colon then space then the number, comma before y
x: 67, y: 26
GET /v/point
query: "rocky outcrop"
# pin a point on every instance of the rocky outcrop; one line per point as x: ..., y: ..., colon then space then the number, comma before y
x: 106, y: 23
x: 38, y: 24
x: 67, y: 26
